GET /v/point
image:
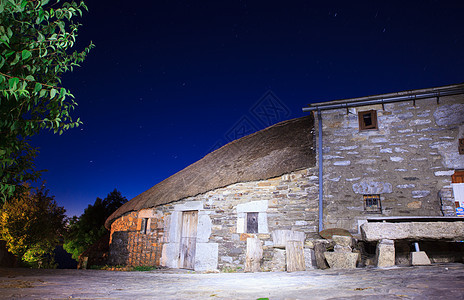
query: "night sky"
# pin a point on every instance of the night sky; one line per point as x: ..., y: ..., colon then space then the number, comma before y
x: 169, y: 81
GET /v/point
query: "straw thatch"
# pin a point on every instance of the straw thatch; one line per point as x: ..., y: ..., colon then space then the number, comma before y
x: 274, y: 151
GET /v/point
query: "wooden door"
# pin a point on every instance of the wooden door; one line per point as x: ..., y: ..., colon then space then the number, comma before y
x: 457, y: 180
x: 188, y: 239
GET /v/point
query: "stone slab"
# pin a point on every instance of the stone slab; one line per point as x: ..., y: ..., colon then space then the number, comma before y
x: 206, y: 256
x: 413, y: 231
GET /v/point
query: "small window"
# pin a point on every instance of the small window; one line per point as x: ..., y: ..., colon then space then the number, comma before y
x: 461, y: 146
x: 367, y: 120
x: 252, y: 222
x: 372, y: 203
x: 143, y: 228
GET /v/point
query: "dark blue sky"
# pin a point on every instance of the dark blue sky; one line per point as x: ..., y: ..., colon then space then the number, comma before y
x: 170, y: 80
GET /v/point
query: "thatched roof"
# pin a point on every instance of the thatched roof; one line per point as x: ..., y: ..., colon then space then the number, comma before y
x: 271, y: 152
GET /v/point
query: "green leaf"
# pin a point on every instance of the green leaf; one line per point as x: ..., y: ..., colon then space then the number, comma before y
x: 13, y: 82
x: 40, y: 18
x: 61, y: 26
x: 30, y: 78
x: 37, y: 87
x: 26, y: 54
x: 53, y: 93
x: 16, y: 59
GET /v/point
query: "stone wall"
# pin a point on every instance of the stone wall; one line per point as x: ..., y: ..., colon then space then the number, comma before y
x: 285, y: 202
x: 128, y: 246
x: 409, y: 160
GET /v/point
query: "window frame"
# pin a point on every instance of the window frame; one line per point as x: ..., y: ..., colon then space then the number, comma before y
x: 373, y: 116
x: 372, y: 203
x: 144, y: 226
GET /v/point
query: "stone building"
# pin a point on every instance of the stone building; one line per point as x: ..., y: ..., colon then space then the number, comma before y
x: 390, y: 155
x: 200, y: 218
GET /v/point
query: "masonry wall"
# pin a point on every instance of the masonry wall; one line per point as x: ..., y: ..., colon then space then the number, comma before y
x: 285, y: 202
x: 409, y: 160
x: 128, y: 246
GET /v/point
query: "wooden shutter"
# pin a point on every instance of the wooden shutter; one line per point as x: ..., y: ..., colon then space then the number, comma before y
x: 457, y: 177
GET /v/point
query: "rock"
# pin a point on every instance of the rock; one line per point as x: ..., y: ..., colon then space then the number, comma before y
x: 342, y: 240
x: 341, y: 260
x: 413, y: 231
x: 280, y: 237
x: 372, y: 187
x: 329, y: 233
x: 385, y: 254
x: 310, y: 260
x: 309, y: 244
x: 278, y: 261
x: 340, y: 248
x: 319, y: 249
x: 420, y: 258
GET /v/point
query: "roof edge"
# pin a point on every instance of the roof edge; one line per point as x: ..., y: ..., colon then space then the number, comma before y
x: 452, y: 89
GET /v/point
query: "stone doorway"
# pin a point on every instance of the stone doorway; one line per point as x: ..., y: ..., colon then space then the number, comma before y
x: 188, y: 239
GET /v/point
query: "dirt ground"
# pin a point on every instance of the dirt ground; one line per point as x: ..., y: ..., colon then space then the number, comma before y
x: 439, y: 281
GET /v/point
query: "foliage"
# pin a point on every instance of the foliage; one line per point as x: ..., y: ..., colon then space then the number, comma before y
x: 144, y: 268
x: 31, y: 223
x: 35, y: 42
x: 90, y: 226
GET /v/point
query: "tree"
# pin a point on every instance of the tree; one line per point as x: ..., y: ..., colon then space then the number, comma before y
x: 90, y: 226
x: 31, y: 223
x: 35, y: 42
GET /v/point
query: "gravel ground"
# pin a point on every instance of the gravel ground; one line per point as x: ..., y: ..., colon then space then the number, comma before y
x: 439, y: 281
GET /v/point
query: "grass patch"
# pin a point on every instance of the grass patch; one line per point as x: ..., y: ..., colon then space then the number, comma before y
x: 144, y: 268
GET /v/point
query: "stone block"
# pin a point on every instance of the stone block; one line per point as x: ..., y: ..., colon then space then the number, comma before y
x: 419, y: 258
x: 278, y: 262
x: 341, y: 260
x: 413, y: 231
x: 372, y: 187
x: 342, y: 240
x: 340, y: 248
x: 310, y: 259
x: 385, y: 253
x: 203, y: 228
x: 280, y: 237
x: 206, y: 256
x: 170, y: 254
